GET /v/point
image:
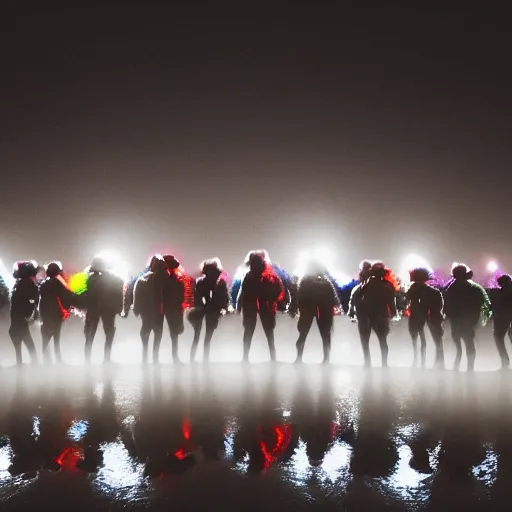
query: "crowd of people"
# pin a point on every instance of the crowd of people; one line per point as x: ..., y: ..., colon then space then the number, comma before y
x: 163, y: 293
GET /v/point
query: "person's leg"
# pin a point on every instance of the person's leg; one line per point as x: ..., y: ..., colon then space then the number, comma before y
x: 436, y: 331
x: 15, y: 333
x: 212, y: 322
x: 249, y: 322
x: 457, y: 340
x: 325, y: 321
x: 158, y: 331
x: 90, y: 328
x: 268, y: 321
x: 423, y: 340
x: 109, y: 326
x: 469, y: 340
x: 46, y: 335
x: 196, y: 319
x: 145, y: 331
x: 303, y: 326
x: 56, y: 341
x: 364, y: 335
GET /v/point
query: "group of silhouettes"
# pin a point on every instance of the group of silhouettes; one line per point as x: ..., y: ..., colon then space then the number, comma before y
x: 159, y: 293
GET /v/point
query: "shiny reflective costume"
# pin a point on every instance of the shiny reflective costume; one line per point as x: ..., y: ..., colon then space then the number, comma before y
x: 425, y: 305
x: 24, y: 302
x: 211, y: 296
x: 55, y: 300
x: 373, y: 303
x: 103, y: 300
x: 316, y: 299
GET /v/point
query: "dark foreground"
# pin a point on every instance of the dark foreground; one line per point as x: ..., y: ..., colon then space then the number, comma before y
x: 264, y: 437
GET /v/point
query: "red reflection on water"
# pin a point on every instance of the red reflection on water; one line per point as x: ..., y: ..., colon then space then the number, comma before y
x: 283, y: 435
x: 69, y: 458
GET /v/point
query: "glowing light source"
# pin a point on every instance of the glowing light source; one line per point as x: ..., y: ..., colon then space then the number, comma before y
x: 6, y: 275
x: 492, y: 267
x: 115, y: 264
x: 411, y: 262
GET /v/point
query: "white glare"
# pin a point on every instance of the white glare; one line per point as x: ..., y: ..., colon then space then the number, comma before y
x: 492, y: 267
x: 410, y: 262
x: 6, y: 275
x: 115, y: 264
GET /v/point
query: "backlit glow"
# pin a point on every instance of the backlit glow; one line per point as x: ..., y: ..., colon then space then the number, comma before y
x: 492, y: 267
x: 411, y: 262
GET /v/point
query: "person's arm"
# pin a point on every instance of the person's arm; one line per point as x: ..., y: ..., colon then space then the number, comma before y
x: 240, y: 297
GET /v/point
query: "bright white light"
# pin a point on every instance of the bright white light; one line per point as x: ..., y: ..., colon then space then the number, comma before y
x: 6, y: 275
x: 119, y: 473
x: 492, y: 267
x: 412, y: 261
x: 77, y: 430
x: 115, y: 264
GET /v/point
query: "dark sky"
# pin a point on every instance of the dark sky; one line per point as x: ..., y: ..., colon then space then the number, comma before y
x: 212, y: 129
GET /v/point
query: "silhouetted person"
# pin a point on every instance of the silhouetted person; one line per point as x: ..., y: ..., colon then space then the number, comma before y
x: 354, y: 287
x: 316, y: 299
x: 149, y: 304
x: 103, y: 300
x: 259, y: 294
x: 502, y: 315
x: 374, y: 303
x: 425, y: 305
x: 174, y: 300
x: 211, y: 299
x: 55, y: 301
x: 24, y: 302
x: 464, y: 303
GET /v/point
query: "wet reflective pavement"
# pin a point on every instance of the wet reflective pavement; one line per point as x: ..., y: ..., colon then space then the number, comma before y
x: 264, y: 436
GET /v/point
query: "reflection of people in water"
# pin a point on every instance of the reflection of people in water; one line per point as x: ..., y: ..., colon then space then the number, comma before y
x: 103, y: 425
x: 314, y: 423
x: 374, y: 450
x: 207, y: 419
x: 20, y: 430
x: 263, y: 434
x: 461, y: 450
x: 56, y: 418
x: 161, y: 434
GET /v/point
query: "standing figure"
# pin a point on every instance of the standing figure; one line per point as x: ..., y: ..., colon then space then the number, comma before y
x: 259, y: 294
x: 425, y: 306
x: 211, y: 300
x: 502, y: 314
x: 24, y: 302
x: 149, y: 304
x: 365, y: 268
x: 373, y: 303
x: 464, y: 303
x: 174, y: 301
x: 55, y: 301
x: 316, y: 299
x: 103, y: 300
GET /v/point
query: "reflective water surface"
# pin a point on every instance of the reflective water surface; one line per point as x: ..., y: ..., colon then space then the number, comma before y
x: 264, y: 436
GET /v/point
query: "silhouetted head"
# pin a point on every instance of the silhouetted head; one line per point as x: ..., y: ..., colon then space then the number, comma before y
x: 379, y: 270
x: 420, y: 275
x: 54, y: 269
x: 365, y: 268
x: 25, y: 269
x: 257, y: 261
x: 504, y: 280
x: 171, y: 262
x: 157, y: 264
x: 98, y: 265
x: 461, y: 271
x: 212, y: 268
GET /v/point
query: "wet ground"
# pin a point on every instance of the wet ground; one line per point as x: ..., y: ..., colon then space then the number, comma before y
x: 260, y: 437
